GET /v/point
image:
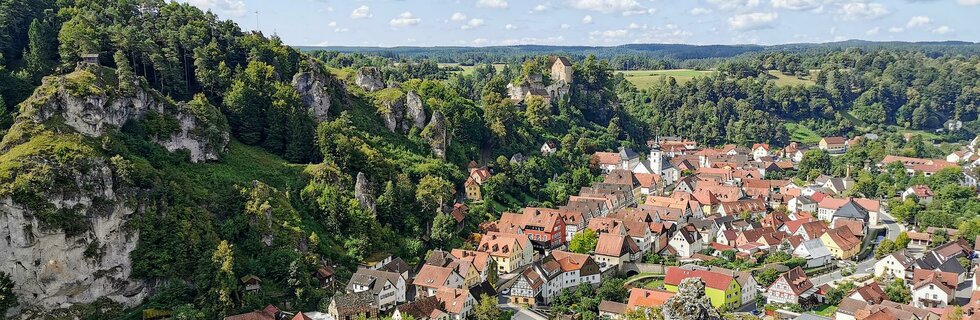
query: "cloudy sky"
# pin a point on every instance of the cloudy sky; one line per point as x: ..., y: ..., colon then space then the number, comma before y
x: 600, y: 22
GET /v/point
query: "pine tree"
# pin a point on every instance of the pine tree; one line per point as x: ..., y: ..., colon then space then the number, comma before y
x: 38, y: 55
x: 127, y: 79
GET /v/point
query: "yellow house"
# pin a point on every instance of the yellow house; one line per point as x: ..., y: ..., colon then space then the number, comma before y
x: 510, y: 251
x: 721, y: 288
x: 473, y: 183
x: 841, y: 243
x: 466, y: 268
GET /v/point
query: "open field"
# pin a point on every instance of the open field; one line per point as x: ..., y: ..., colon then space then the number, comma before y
x: 646, y: 78
x: 469, y: 69
x: 801, y: 133
x: 788, y: 80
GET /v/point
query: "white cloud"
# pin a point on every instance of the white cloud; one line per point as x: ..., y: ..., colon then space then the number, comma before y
x: 942, y: 30
x: 587, y: 19
x: 541, y: 7
x: 533, y: 40
x: 896, y: 29
x: 234, y: 8
x: 473, y: 23
x: 624, y: 7
x: 332, y: 24
x: 480, y: 41
x: 700, y: 11
x: 618, y: 33
x: 634, y: 25
x: 968, y: 2
x: 493, y: 4
x: 738, y: 5
x: 797, y: 4
x: 873, y: 31
x: 862, y: 11
x: 917, y: 21
x: 406, y: 19
x: 565, y: 26
x: 510, y: 27
x: 361, y: 12
x: 753, y: 21
x: 458, y: 16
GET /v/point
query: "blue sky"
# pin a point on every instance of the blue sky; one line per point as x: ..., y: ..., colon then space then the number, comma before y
x: 600, y: 22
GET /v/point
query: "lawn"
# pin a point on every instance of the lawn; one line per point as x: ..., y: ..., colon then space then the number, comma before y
x: 825, y: 311
x: 789, y: 80
x: 647, y: 78
x: 655, y: 284
x: 469, y: 69
x: 801, y: 133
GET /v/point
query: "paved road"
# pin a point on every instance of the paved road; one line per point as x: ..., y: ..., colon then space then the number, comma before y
x: 866, y: 266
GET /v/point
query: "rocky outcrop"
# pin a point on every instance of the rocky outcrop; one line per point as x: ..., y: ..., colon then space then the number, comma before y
x: 393, y: 113
x: 52, y: 268
x: 90, y: 106
x: 363, y: 193
x: 313, y: 89
x: 370, y: 79
x: 435, y: 134
x: 414, y: 111
x: 690, y: 302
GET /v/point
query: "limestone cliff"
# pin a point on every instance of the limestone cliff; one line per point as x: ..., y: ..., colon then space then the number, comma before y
x: 313, y: 87
x: 435, y: 134
x: 414, y: 111
x: 89, y: 103
x: 363, y: 193
x: 370, y: 79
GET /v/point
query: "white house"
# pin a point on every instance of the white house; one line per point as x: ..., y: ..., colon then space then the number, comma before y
x: 895, y: 265
x: 931, y: 293
x: 549, y: 148
x: 686, y: 241
x: 801, y: 204
x: 388, y: 288
x: 760, y: 151
x: 815, y: 253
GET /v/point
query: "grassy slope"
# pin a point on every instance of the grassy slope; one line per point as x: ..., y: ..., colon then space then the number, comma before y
x: 801, y: 134
x: 788, y: 80
x: 646, y: 78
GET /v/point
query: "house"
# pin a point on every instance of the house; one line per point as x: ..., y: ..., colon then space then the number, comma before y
x: 422, y: 308
x: 325, y: 274
x: 895, y: 265
x: 545, y: 228
x: 644, y: 299
x: 815, y: 253
x: 352, y: 306
x: 827, y: 206
x: 605, y: 161
x: 927, y: 167
x: 612, y: 310
x: 509, y: 251
x: 549, y: 148
x: 686, y: 241
x: 474, y: 182
x: 270, y: 312
x: 90, y: 58
x: 801, y: 204
x: 750, y: 288
x: 721, y: 288
x: 850, y: 211
x: 921, y: 192
x: 793, y: 287
x: 561, y: 70
x: 870, y: 293
x: 841, y: 242
x: 527, y: 288
x: 485, y: 266
x: 431, y: 278
x: 833, y: 145
x: 760, y: 151
x: 457, y: 303
x: 615, y: 249
x: 931, y: 293
x: 252, y: 283
x: 562, y: 270
x: 753, y: 207
x: 386, y: 288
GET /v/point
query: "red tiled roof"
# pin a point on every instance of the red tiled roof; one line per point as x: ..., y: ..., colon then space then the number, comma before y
x: 647, y: 298
x: 711, y: 279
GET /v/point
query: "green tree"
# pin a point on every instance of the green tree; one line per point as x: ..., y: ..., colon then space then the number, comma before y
x: 78, y: 36
x: 584, y: 242
x: 127, y: 78
x: 39, y: 54
x: 443, y: 229
x: 898, y: 292
x: 247, y: 100
x: 487, y: 309
x: 884, y: 248
x: 225, y: 287
x: 837, y: 293
x: 767, y: 277
x: 433, y: 192
x: 613, y: 290
x: 814, y: 161
x: 8, y: 299
x: 537, y: 111
x: 902, y: 240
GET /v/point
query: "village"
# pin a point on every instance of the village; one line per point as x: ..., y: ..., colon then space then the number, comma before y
x: 728, y: 218
x: 681, y: 212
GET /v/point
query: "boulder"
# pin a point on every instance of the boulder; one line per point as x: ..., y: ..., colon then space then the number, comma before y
x: 370, y: 79
x: 393, y: 111
x: 414, y: 111
x: 690, y: 302
x: 312, y: 88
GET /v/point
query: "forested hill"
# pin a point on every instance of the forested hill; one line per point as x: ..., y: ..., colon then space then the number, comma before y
x: 673, y: 52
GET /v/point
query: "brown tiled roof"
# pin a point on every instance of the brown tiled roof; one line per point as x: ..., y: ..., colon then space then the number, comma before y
x: 797, y: 280
x: 432, y: 276
x: 844, y: 238
x: 421, y: 308
x: 267, y: 313
x: 615, y: 245
x: 453, y: 299
x: 606, y: 158
x: 645, y: 298
x: 711, y: 279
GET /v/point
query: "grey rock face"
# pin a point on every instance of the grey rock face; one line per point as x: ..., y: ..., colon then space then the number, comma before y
x: 414, y: 111
x: 395, y: 113
x: 690, y: 302
x: 52, y: 270
x: 312, y: 88
x: 435, y: 134
x: 363, y: 193
x: 370, y: 79
x: 95, y: 112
